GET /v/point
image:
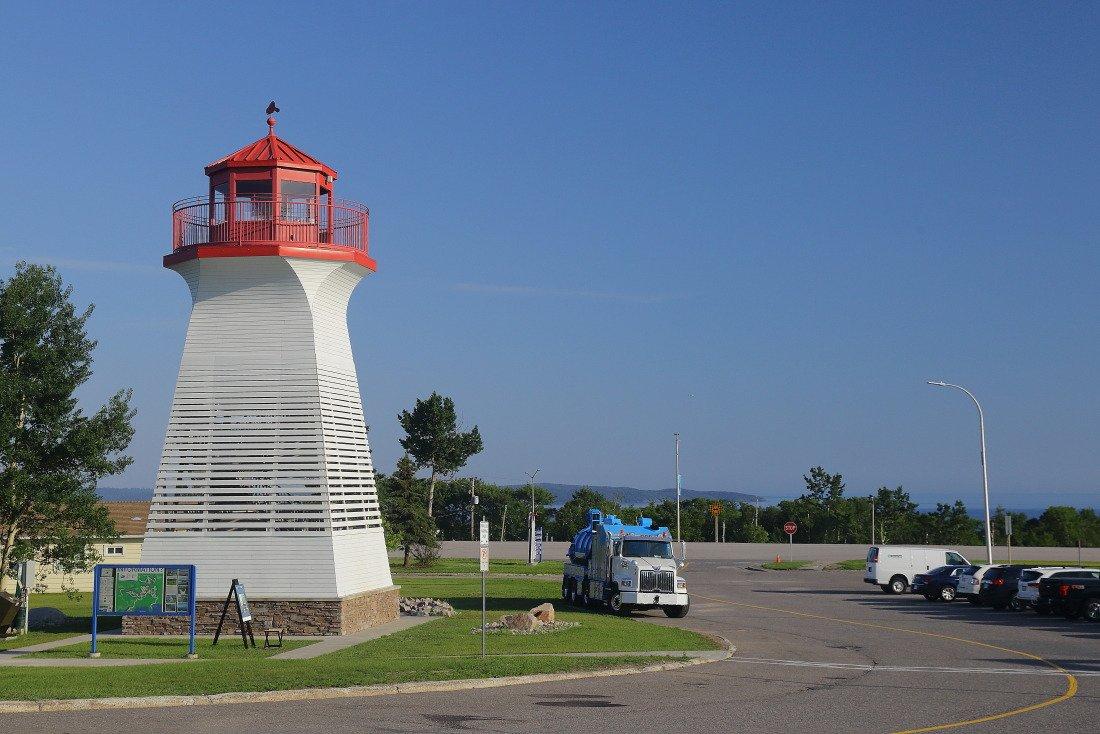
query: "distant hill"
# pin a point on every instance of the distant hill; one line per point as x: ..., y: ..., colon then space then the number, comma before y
x: 562, y: 492
x: 635, y: 496
x: 125, y: 494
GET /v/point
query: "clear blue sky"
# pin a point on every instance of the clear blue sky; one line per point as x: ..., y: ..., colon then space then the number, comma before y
x: 764, y: 226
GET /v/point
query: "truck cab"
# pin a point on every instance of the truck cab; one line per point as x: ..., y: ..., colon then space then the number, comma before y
x: 626, y: 567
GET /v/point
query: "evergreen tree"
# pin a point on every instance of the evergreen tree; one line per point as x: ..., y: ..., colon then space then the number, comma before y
x: 406, y: 515
x: 434, y: 441
x: 51, y: 452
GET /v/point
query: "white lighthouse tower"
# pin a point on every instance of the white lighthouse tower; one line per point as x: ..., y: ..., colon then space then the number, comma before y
x: 266, y: 474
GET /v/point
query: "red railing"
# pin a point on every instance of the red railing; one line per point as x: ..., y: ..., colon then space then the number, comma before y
x: 299, y: 221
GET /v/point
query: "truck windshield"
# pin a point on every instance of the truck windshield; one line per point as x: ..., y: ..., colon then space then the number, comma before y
x: 647, y: 549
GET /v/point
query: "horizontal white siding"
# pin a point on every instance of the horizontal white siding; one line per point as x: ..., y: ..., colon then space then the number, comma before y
x: 266, y: 445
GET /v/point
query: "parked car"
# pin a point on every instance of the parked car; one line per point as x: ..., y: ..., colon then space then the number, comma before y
x: 1072, y: 597
x: 892, y: 567
x: 970, y: 582
x: 1000, y: 586
x: 1028, y: 586
x: 939, y: 583
x: 1046, y: 605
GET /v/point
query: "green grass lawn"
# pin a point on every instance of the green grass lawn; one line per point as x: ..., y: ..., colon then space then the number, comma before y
x: 442, y: 649
x: 785, y: 565
x: 1073, y: 563
x: 78, y: 607
x: 161, y: 647
x: 855, y: 564
x: 470, y: 565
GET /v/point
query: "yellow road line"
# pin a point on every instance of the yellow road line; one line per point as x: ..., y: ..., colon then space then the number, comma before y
x: 1071, y: 680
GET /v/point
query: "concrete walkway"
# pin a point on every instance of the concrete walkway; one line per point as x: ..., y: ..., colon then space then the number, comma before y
x: 324, y: 645
x: 342, y: 642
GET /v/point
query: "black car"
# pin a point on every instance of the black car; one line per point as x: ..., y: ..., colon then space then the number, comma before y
x: 1071, y: 596
x: 1000, y: 586
x: 939, y: 583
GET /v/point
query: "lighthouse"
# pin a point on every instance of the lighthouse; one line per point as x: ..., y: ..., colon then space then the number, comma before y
x: 266, y: 473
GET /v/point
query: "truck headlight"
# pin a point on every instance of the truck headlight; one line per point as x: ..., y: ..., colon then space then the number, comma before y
x: 681, y: 584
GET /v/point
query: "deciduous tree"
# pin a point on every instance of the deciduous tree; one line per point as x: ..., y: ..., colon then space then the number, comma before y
x: 51, y: 452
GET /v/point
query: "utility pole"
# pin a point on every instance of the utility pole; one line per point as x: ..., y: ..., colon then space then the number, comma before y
x: 473, y: 504
x: 503, y: 521
x: 531, y: 518
x: 872, y: 519
x: 677, y: 435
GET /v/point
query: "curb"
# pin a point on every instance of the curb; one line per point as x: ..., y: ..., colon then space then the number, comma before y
x: 320, y: 694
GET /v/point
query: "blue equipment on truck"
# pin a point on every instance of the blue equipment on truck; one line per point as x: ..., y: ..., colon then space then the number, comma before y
x: 627, y: 567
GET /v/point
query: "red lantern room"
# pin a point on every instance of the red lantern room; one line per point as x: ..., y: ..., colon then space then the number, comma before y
x: 270, y: 198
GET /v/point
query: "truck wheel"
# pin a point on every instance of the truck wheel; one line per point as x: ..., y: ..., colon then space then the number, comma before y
x: 898, y: 585
x: 947, y: 594
x: 586, y: 600
x: 676, y: 612
x: 1014, y: 604
x: 1092, y: 610
x: 617, y: 606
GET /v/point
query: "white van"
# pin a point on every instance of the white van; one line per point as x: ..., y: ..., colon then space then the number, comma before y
x: 892, y: 567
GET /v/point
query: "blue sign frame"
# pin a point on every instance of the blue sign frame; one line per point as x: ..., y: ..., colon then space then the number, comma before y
x: 190, y: 613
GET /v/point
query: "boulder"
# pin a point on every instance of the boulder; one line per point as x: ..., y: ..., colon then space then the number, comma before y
x: 523, y: 621
x: 544, y: 613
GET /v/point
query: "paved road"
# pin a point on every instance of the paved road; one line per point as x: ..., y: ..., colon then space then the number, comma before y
x: 817, y: 652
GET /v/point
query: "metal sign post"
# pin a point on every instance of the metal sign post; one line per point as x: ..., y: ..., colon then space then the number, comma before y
x: 790, y: 528
x: 484, y: 573
x: 26, y: 581
x: 1008, y: 535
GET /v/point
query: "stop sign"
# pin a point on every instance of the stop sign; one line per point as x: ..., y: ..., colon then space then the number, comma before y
x: 790, y: 528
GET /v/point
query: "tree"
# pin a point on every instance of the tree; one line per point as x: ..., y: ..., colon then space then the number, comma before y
x: 897, y: 516
x: 403, y: 508
x: 573, y: 514
x: 434, y: 441
x: 52, y: 452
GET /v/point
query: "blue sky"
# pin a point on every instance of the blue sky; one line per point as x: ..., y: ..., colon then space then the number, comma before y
x: 762, y: 225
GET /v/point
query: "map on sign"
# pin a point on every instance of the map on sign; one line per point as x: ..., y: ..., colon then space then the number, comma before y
x: 139, y: 590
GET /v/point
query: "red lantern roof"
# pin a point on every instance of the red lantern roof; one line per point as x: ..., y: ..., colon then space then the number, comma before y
x: 270, y: 151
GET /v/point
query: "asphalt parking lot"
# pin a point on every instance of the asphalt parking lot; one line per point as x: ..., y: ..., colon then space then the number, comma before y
x: 817, y: 651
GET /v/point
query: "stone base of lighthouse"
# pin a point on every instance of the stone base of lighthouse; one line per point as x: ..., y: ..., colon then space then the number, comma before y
x: 296, y: 616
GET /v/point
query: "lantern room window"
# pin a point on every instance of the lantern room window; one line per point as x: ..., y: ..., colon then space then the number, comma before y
x: 297, y: 200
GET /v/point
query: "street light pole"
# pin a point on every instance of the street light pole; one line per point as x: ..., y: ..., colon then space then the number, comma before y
x: 985, y: 473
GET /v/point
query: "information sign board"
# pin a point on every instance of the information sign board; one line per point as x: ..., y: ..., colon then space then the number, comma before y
x: 143, y: 590
x: 242, y: 602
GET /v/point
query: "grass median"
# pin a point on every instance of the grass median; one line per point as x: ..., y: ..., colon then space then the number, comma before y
x: 470, y: 565
x: 442, y: 649
x: 785, y: 565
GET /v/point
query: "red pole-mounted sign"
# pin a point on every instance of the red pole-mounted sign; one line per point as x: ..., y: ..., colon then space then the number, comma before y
x: 790, y: 528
